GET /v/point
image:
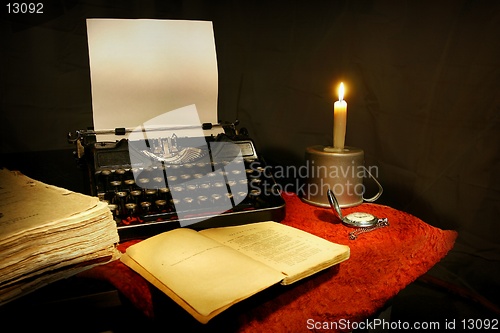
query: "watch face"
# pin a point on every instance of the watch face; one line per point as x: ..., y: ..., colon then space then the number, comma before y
x: 360, y: 217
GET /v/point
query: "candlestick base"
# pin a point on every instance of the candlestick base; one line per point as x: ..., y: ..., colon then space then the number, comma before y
x: 330, y: 149
x: 340, y: 170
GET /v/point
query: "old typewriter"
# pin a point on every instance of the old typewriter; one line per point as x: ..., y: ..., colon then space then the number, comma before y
x: 154, y: 184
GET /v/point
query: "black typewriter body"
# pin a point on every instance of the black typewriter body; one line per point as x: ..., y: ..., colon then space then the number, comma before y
x: 158, y: 184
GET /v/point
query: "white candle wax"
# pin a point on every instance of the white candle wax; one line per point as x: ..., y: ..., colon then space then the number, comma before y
x: 339, y: 120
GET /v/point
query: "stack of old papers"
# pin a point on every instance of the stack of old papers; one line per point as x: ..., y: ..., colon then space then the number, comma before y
x: 49, y: 233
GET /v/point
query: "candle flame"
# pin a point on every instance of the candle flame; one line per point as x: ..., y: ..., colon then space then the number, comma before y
x: 341, y: 91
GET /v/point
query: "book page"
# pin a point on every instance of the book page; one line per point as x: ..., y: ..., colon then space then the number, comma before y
x: 27, y: 204
x: 294, y: 252
x: 205, y: 274
x: 48, y: 233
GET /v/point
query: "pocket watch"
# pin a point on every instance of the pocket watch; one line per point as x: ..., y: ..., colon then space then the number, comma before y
x: 356, y: 219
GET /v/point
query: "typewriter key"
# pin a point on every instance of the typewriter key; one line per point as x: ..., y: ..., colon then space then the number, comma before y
x: 158, y: 180
x: 145, y: 206
x: 115, y: 184
x: 191, y: 187
x: 163, y: 192
x: 148, y: 169
x: 150, y: 192
x: 121, y: 194
x: 130, y: 208
x: 216, y: 198
x: 150, y: 195
x: 241, y: 195
x: 119, y: 173
x: 219, y: 184
x: 188, y: 200
x: 160, y: 203
x: 120, y: 200
x: 114, y: 209
x: 228, y: 197
x: 129, y: 183
x: 135, y: 194
x: 254, y: 193
x: 256, y: 181
x: 177, y: 189
x: 202, y: 200
x: 255, y: 197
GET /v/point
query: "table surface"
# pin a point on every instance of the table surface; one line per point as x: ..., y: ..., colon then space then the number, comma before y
x: 382, y: 263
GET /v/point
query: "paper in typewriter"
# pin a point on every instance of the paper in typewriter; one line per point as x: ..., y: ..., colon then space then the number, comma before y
x: 143, y: 68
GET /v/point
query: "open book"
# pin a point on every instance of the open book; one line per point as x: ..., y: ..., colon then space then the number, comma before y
x: 207, y: 271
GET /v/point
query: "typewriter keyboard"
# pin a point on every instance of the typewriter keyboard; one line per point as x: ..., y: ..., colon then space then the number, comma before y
x: 165, y: 196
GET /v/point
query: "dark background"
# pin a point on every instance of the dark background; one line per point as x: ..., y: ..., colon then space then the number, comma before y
x: 423, y: 81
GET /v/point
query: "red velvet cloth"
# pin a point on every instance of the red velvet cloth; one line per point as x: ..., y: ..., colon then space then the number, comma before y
x: 382, y: 263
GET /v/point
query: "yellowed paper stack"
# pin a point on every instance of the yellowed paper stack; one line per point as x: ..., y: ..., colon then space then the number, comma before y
x: 49, y: 233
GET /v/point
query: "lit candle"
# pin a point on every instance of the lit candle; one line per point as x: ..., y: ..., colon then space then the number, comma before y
x: 339, y: 120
